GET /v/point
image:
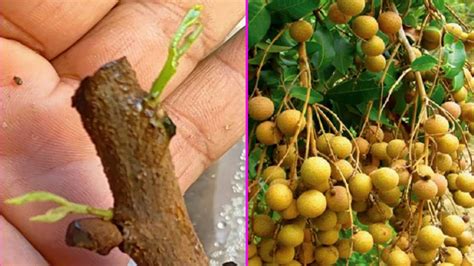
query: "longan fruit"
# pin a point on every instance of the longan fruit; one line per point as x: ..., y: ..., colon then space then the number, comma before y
x: 429, y: 45
x: 343, y: 217
x: 265, y: 250
x: 364, y: 26
x: 288, y: 120
x: 341, y: 169
x: 436, y: 125
x: 374, y: 134
x: 325, y: 221
x: 430, y: 237
x: 337, y: 199
x: 301, y: 30
x: 326, y: 255
x: 425, y: 256
x: 380, y: 232
x: 284, y: 254
x: 341, y: 146
x: 255, y: 261
x: 374, y: 46
x: 418, y: 149
x: 443, y: 162
x: 398, y: 258
x: 425, y: 189
x: 441, y: 183
x: 362, y: 145
x: 351, y: 7
x: 453, y: 225
x: 252, y: 250
x: 281, y: 150
x: 322, y: 142
x: 260, y: 108
x: 362, y: 242
x: 359, y: 206
x: 278, y: 197
x: 400, y: 166
x: 470, y: 127
x: 380, y: 212
x: 397, y: 148
x: 389, y: 22
x: 467, y: 112
x: 452, y: 177
x: 464, y: 239
x: 344, y: 248
x: 465, y: 182
x: 391, y: 197
x: 403, y: 241
x: 263, y: 225
x: 272, y: 173
x: 311, y: 203
x: 336, y: 16
x: 306, y: 255
x: 267, y: 133
x: 369, y: 168
x: 460, y: 95
x: 290, y: 235
x: 450, y: 241
x: 291, y: 212
x: 375, y: 63
x: 454, y: 29
x: 453, y: 255
x: 447, y: 143
x: 453, y: 108
x: 431, y: 38
x: 424, y: 171
x: 328, y: 237
x: 315, y: 170
x: 360, y: 186
x: 292, y: 263
x: 384, y: 178
x: 379, y: 150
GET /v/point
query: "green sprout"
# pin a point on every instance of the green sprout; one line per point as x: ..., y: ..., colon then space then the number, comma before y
x: 56, y: 214
x: 180, y: 43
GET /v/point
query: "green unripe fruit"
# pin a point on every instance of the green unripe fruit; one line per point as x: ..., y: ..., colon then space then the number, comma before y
x: 278, y: 197
x: 272, y: 173
x: 430, y: 237
x: 375, y: 63
x: 431, y: 38
x: 436, y: 125
x: 397, y: 148
x: 374, y: 46
x: 260, y: 108
x: 301, y: 30
x: 360, y: 186
x: 290, y: 235
x: 351, y: 7
x: 311, y: 203
x: 338, y: 199
x: 425, y: 189
x: 315, y: 170
x: 365, y: 27
x: 447, y: 143
x: 336, y: 16
x: 453, y: 225
x: 381, y: 233
x: 341, y: 146
x: 389, y: 22
x: 465, y: 182
x: 362, y: 242
x: 384, y: 178
x: 267, y: 133
x: 288, y: 122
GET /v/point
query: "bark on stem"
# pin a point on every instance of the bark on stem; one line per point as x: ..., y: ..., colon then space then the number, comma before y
x: 132, y: 139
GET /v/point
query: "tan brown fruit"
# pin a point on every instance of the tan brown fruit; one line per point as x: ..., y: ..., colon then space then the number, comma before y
x: 464, y: 239
x: 288, y: 121
x: 369, y: 168
x: 436, y: 125
x: 284, y: 254
x: 400, y: 166
x: 290, y: 235
x: 311, y: 203
x: 465, y: 182
x: 365, y: 27
x: 328, y: 237
x: 362, y: 145
x: 336, y: 16
x: 260, y: 108
x: 272, y: 173
x: 398, y: 258
x: 471, y: 128
x: 467, y: 112
x: 447, y: 143
x: 337, y: 199
x: 281, y: 150
x: 403, y: 241
x: 252, y: 250
x: 430, y: 237
x: 425, y: 256
x: 344, y: 248
x: 443, y: 162
x: 359, y: 206
x: 452, y: 108
x: 418, y: 149
x: 441, y: 183
x: 255, y: 261
x: 425, y: 189
x: 389, y: 22
x: 375, y: 63
x: 429, y: 45
x: 267, y: 133
x: 351, y: 7
x: 453, y: 225
x: 315, y: 170
x: 391, y: 197
x: 325, y: 221
x: 374, y: 46
x: 265, y: 250
x: 460, y: 95
x: 384, y: 178
x: 360, y: 186
x: 301, y: 30
x: 341, y: 146
x: 278, y: 197
x: 380, y: 232
x: 379, y: 212
x: 263, y: 225
x: 453, y: 255
x: 379, y: 150
x: 374, y: 134
x: 341, y: 169
x: 326, y: 255
x: 291, y: 212
x: 322, y: 142
x: 397, y: 148
x: 362, y: 242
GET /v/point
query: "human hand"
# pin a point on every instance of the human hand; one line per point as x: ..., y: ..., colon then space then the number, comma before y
x: 43, y: 145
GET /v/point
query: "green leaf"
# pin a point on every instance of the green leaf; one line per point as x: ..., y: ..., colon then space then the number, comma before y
x: 296, y: 9
x: 423, y: 63
x: 455, y: 57
x: 52, y: 215
x: 274, y: 48
x: 36, y: 196
x: 410, y: 20
x: 344, y: 56
x: 253, y: 161
x: 439, y: 4
x: 325, y: 53
x: 300, y: 94
x: 355, y: 91
x: 458, y: 81
x: 259, y: 22
x: 438, y: 94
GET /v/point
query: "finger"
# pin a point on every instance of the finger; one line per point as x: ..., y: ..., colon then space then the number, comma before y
x: 16, y: 249
x: 141, y: 31
x: 50, y: 27
x: 208, y: 109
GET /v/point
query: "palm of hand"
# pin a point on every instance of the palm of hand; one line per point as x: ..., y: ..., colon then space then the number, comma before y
x: 42, y: 143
